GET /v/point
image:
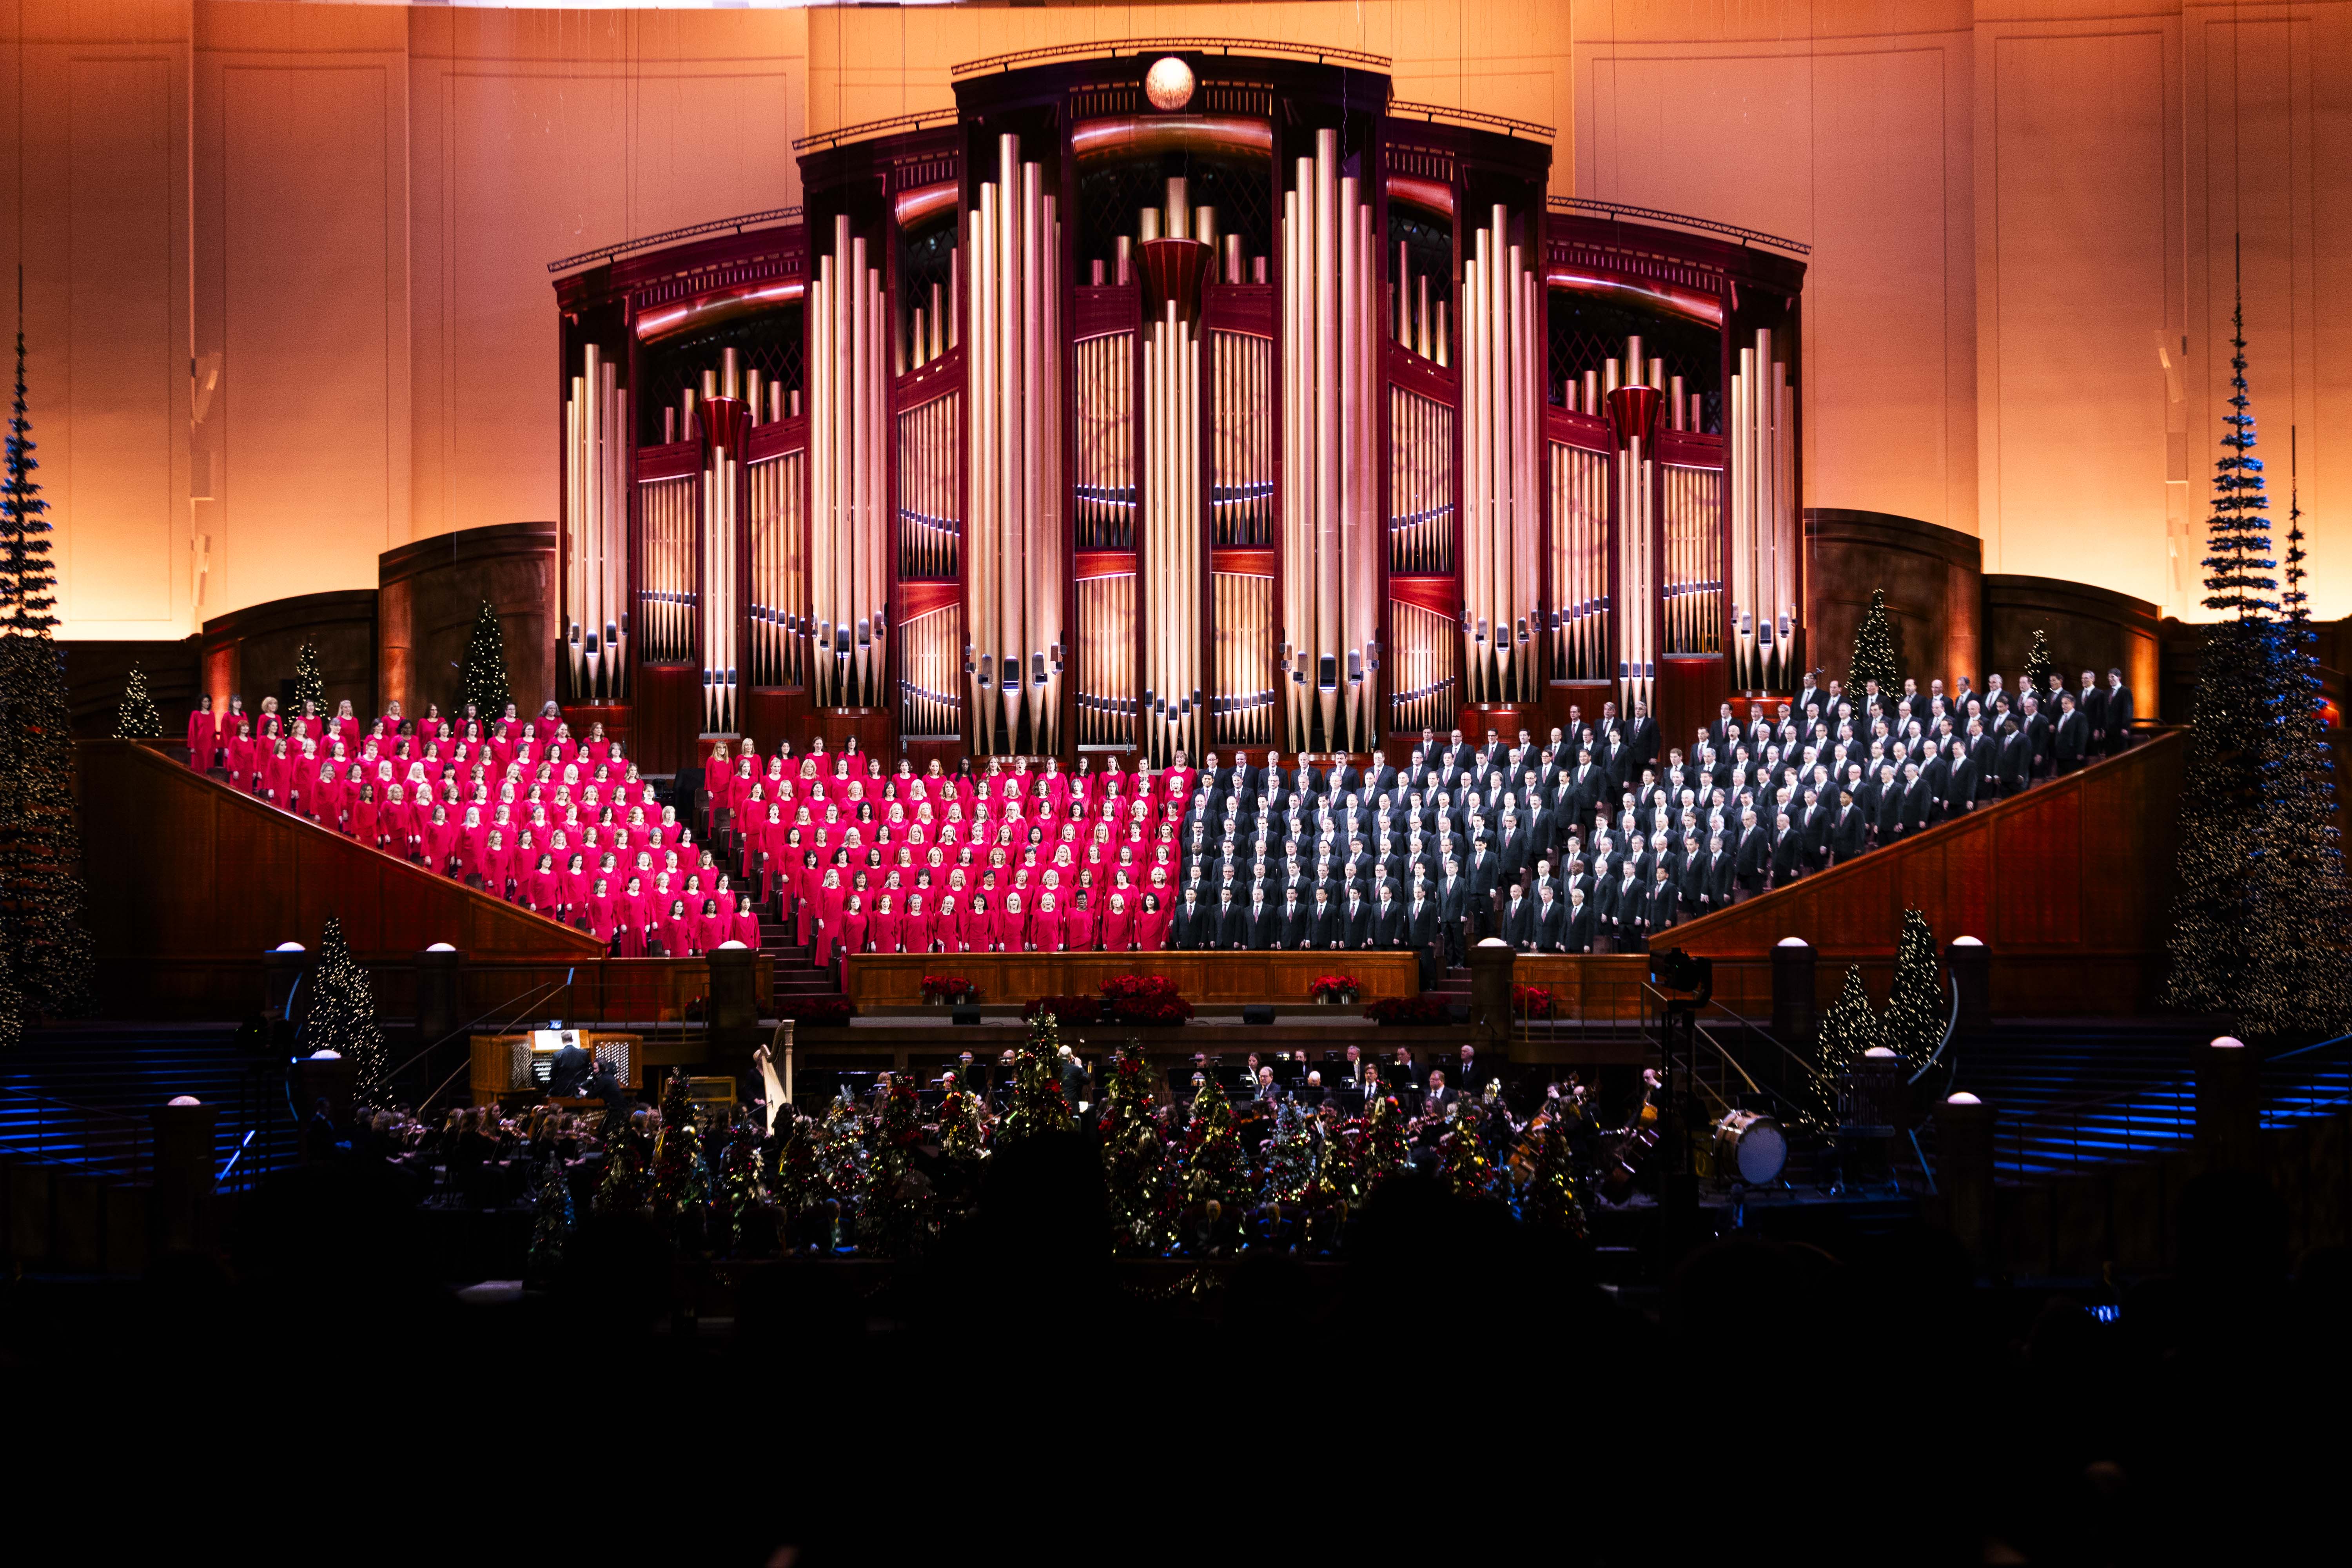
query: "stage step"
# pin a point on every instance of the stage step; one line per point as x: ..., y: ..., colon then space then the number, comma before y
x: 126, y: 1071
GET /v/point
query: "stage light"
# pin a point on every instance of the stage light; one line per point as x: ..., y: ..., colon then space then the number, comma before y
x: 323, y: 1054
x: 1965, y: 941
x: 289, y: 947
x: 1964, y: 1098
x: 2228, y: 1043
x: 730, y: 941
x: 184, y: 1099
x: 1792, y: 942
x: 441, y: 947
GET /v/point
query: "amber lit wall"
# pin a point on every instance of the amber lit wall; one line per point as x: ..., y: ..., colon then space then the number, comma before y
x: 2018, y: 219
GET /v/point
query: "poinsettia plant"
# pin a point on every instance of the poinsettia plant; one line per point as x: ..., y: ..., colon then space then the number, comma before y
x: 1531, y: 1001
x: 1332, y: 987
x: 949, y: 989
x: 1144, y: 999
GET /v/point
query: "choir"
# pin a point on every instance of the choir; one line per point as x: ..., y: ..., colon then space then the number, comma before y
x: 1590, y: 842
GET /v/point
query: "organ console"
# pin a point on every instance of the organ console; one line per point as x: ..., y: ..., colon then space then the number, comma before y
x: 1249, y: 411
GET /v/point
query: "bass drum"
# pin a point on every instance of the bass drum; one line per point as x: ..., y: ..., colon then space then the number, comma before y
x: 1751, y: 1147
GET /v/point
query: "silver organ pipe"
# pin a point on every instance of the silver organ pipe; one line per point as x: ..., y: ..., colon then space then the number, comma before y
x: 1423, y: 696
x: 664, y: 628
x: 778, y: 654
x: 1579, y: 563
x: 1502, y: 400
x: 1244, y: 706
x: 1763, y: 519
x: 1330, y: 310
x: 1174, y: 514
x: 848, y: 404
x: 930, y: 534
x: 1420, y: 485
x: 1241, y: 464
x: 596, y: 455
x: 726, y: 424
x: 1107, y: 678
x: 930, y: 674
x: 1105, y: 457
x: 1013, y: 590
x: 1691, y: 506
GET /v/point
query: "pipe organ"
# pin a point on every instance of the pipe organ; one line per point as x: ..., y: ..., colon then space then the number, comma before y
x: 1243, y: 415
x: 848, y: 447
x: 1013, y: 595
x: 1763, y: 518
x: 1330, y: 550
x: 596, y: 499
x: 1502, y: 401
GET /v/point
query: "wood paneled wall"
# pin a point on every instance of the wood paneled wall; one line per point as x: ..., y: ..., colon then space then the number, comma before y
x: 251, y: 652
x: 896, y: 980
x: 192, y: 881
x: 1933, y: 583
x: 2070, y: 884
x: 429, y: 593
x: 2089, y: 628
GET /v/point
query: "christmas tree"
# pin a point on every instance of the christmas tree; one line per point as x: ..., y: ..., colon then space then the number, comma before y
x: 343, y: 1015
x: 2263, y: 902
x: 41, y: 898
x: 1216, y: 1168
x: 840, y: 1159
x: 1138, y: 1182
x: 136, y: 719
x: 1548, y: 1199
x: 11, y: 1000
x: 743, y: 1190
x: 2039, y: 668
x: 1913, y: 1025
x: 1462, y: 1162
x: 1873, y: 648
x: 681, y: 1180
x: 1384, y: 1151
x: 550, y: 1227
x: 628, y: 1153
x: 2303, y: 864
x: 485, y: 667
x: 896, y: 1213
x: 1037, y: 1105
x: 309, y: 686
x: 1289, y: 1155
x: 1849, y: 1028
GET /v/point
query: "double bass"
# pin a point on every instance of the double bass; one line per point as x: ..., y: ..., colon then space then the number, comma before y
x: 1633, y: 1149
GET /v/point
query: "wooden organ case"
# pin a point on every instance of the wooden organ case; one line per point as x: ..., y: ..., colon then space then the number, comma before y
x: 1168, y: 403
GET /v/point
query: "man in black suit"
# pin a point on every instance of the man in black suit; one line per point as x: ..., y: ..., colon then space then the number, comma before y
x: 1751, y: 859
x: 2036, y: 725
x: 1788, y: 851
x: 2118, y: 712
x: 1849, y: 833
x: 1386, y: 928
x: 1440, y: 1096
x: 1287, y: 926
x: 2070, y: 739
x: 1551, y: 921
x: 1233, y: 928
x: 1351, y: 923
x: 1421, y: 927
x: 1917, y: 797
x: 1641, y: 737
x: 1665, y: 901
x: 1576, y: 931
x: 2016, y: 757
x: 1518, y: 919
x: 1720, y: 867
x: 2092, y: 703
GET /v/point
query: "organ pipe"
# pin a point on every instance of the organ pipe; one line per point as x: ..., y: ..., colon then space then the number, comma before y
x: 1420, y: 485
x: 1580, y: 623
x: 1014, y: 592
x: 779, y: 586
x: 1763, y: 519
x: 1502, y: 396
x: 848, y: 444
x: 1330, y: 326
x: 596, y: 454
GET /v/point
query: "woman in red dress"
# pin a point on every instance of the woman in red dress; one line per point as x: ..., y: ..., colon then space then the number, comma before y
x: 604, y: 917
x: 571, y: 894
x: 947, y: 925
x: 1012, y: 924
x: 363, y: 825
x: 632, y: 920
x: 977, y: 924
x: 745, y: 927
x: 709, y: 930
x: 853, y: 925
x: 915, y: 925
x: 882, y: 925
x: 677, y: 931
x: 1152, y: 925
x: 1078, y: 925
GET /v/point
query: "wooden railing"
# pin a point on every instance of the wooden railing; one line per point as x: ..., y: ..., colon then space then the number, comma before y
x: 896, y: 980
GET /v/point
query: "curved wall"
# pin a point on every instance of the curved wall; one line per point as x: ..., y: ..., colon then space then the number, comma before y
x: 2089, y: 628
x: 1934, y: 591
x: 250, y: 653
x: 430, y: 592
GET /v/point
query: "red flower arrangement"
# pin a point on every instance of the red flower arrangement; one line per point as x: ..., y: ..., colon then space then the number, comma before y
x: 1395, y: 1010
x: 949, y: 989
x: 1143, y: 999
x: 1531, y: 1001
x: 1332, y: 987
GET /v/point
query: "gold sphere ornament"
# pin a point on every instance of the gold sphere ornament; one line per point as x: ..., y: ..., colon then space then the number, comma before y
x: 1169, y: 84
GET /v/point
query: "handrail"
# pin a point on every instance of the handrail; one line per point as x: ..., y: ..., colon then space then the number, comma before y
x: 1951, y: 1028
x: 236, y: 1153
x: 71, y: 1104
x: 1659, y: 215
x: 672, y: 236
x: 467, y: 1027
x: 1399, y: 109
x: 835, y: 138
x: 444, y: 1083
